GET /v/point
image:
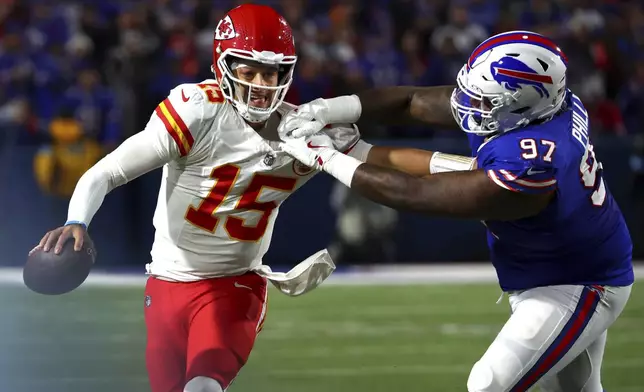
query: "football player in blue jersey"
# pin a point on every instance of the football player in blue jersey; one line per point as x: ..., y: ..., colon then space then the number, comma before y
x: 558, y: 241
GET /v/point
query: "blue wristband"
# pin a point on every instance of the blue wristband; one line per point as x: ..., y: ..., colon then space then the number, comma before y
x: 76, y: 223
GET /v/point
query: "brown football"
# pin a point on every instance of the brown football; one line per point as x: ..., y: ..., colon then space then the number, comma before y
x: 53, y: 274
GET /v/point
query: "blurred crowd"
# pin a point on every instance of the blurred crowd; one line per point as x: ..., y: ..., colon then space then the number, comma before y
x: 79, y: 76
x: 74, y: 68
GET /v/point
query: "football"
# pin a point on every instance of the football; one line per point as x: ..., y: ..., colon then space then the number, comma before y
x: 54, y: 274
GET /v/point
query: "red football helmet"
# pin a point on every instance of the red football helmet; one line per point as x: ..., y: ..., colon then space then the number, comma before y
x: 255, y: 34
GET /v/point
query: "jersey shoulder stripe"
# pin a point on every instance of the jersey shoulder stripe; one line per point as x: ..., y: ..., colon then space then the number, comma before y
x: 175, y: 126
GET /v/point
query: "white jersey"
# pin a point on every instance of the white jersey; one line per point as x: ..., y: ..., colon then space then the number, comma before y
x: 222, y: 182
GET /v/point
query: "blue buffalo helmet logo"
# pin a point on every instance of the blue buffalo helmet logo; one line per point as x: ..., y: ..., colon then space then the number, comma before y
x: 512, y: 73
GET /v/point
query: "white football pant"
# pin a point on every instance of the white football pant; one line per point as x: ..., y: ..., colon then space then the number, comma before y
x: 202, y: 384
x: 555, y: 338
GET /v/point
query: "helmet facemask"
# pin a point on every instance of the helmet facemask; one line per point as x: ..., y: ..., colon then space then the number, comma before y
x: 254, y: 102
x: 484, y: 114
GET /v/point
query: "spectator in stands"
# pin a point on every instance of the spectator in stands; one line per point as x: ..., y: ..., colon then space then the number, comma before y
x: 485, y: 12
x: 631, y: 99
x: 463, y: 32
x: 16, y: 85
x: 310, y: 82
x: 539, y: 14
x: 94, y: 107
x: 16, y: 68
x: 59, y: 165
x: 47, y: 24
x: 141, y: 50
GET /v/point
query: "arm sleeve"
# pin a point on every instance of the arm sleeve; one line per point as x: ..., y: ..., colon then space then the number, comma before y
x: 167, y: 137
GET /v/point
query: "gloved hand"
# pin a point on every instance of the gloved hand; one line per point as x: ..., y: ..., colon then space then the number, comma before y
x: 312, y: 152
x: 309, y: 119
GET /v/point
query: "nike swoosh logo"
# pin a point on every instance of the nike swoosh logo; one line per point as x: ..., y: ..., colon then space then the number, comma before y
x: 242, y: 286
x: 183, y: 96
x: 531, y: 172
x: 310, y: 145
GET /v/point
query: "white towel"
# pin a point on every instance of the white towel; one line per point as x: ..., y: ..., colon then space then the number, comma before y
x: 302, y: 278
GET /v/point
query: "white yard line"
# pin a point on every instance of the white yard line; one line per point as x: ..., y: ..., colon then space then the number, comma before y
x: 403, y: 274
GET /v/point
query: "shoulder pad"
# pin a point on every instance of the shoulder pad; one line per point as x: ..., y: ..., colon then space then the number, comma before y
x: 520, y: 161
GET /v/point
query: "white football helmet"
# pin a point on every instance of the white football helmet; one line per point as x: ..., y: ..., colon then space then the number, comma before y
x: 510, y: 80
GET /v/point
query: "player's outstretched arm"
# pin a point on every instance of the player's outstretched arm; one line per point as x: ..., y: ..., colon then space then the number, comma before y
x: 471, y: 195
x: 166, y: 137
x: 461, y: 194
x: 417, y: 162
x: 414, y: 161
x: 407, y: 105
x: 402, y: 105
x: 136, y: 156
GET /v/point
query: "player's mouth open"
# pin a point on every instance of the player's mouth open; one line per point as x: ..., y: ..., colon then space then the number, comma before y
x: 259, y: 100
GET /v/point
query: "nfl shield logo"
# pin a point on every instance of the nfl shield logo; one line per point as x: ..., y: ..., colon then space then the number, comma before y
x: 148, y: 301
x: 269, y: 159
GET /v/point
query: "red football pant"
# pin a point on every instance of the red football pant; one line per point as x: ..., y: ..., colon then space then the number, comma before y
x: 205, y: 328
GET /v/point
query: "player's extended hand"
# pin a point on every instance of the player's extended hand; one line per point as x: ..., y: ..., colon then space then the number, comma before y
x: 57, y: 238
x: 312, y: 152
x: 305, y: 120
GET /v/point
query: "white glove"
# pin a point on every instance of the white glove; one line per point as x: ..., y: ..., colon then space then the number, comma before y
x: 316, y: 154
x: 312, y: 152
x: 310, y: 118
x: 303, y: 121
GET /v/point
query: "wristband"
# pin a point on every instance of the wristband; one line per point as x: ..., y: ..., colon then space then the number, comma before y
x: 340, y: 166
x: 442, y: 162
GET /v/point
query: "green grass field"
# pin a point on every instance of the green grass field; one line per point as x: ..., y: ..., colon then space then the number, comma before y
x: 337, y: 338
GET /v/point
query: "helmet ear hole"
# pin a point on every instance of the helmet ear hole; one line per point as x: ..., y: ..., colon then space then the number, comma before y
x: 285, y: 73
x: 226, y: 85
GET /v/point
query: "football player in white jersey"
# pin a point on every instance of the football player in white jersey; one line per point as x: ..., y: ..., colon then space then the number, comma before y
x: 223, y: 181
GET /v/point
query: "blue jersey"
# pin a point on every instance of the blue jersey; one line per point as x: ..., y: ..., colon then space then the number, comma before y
x: 581, y: 237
